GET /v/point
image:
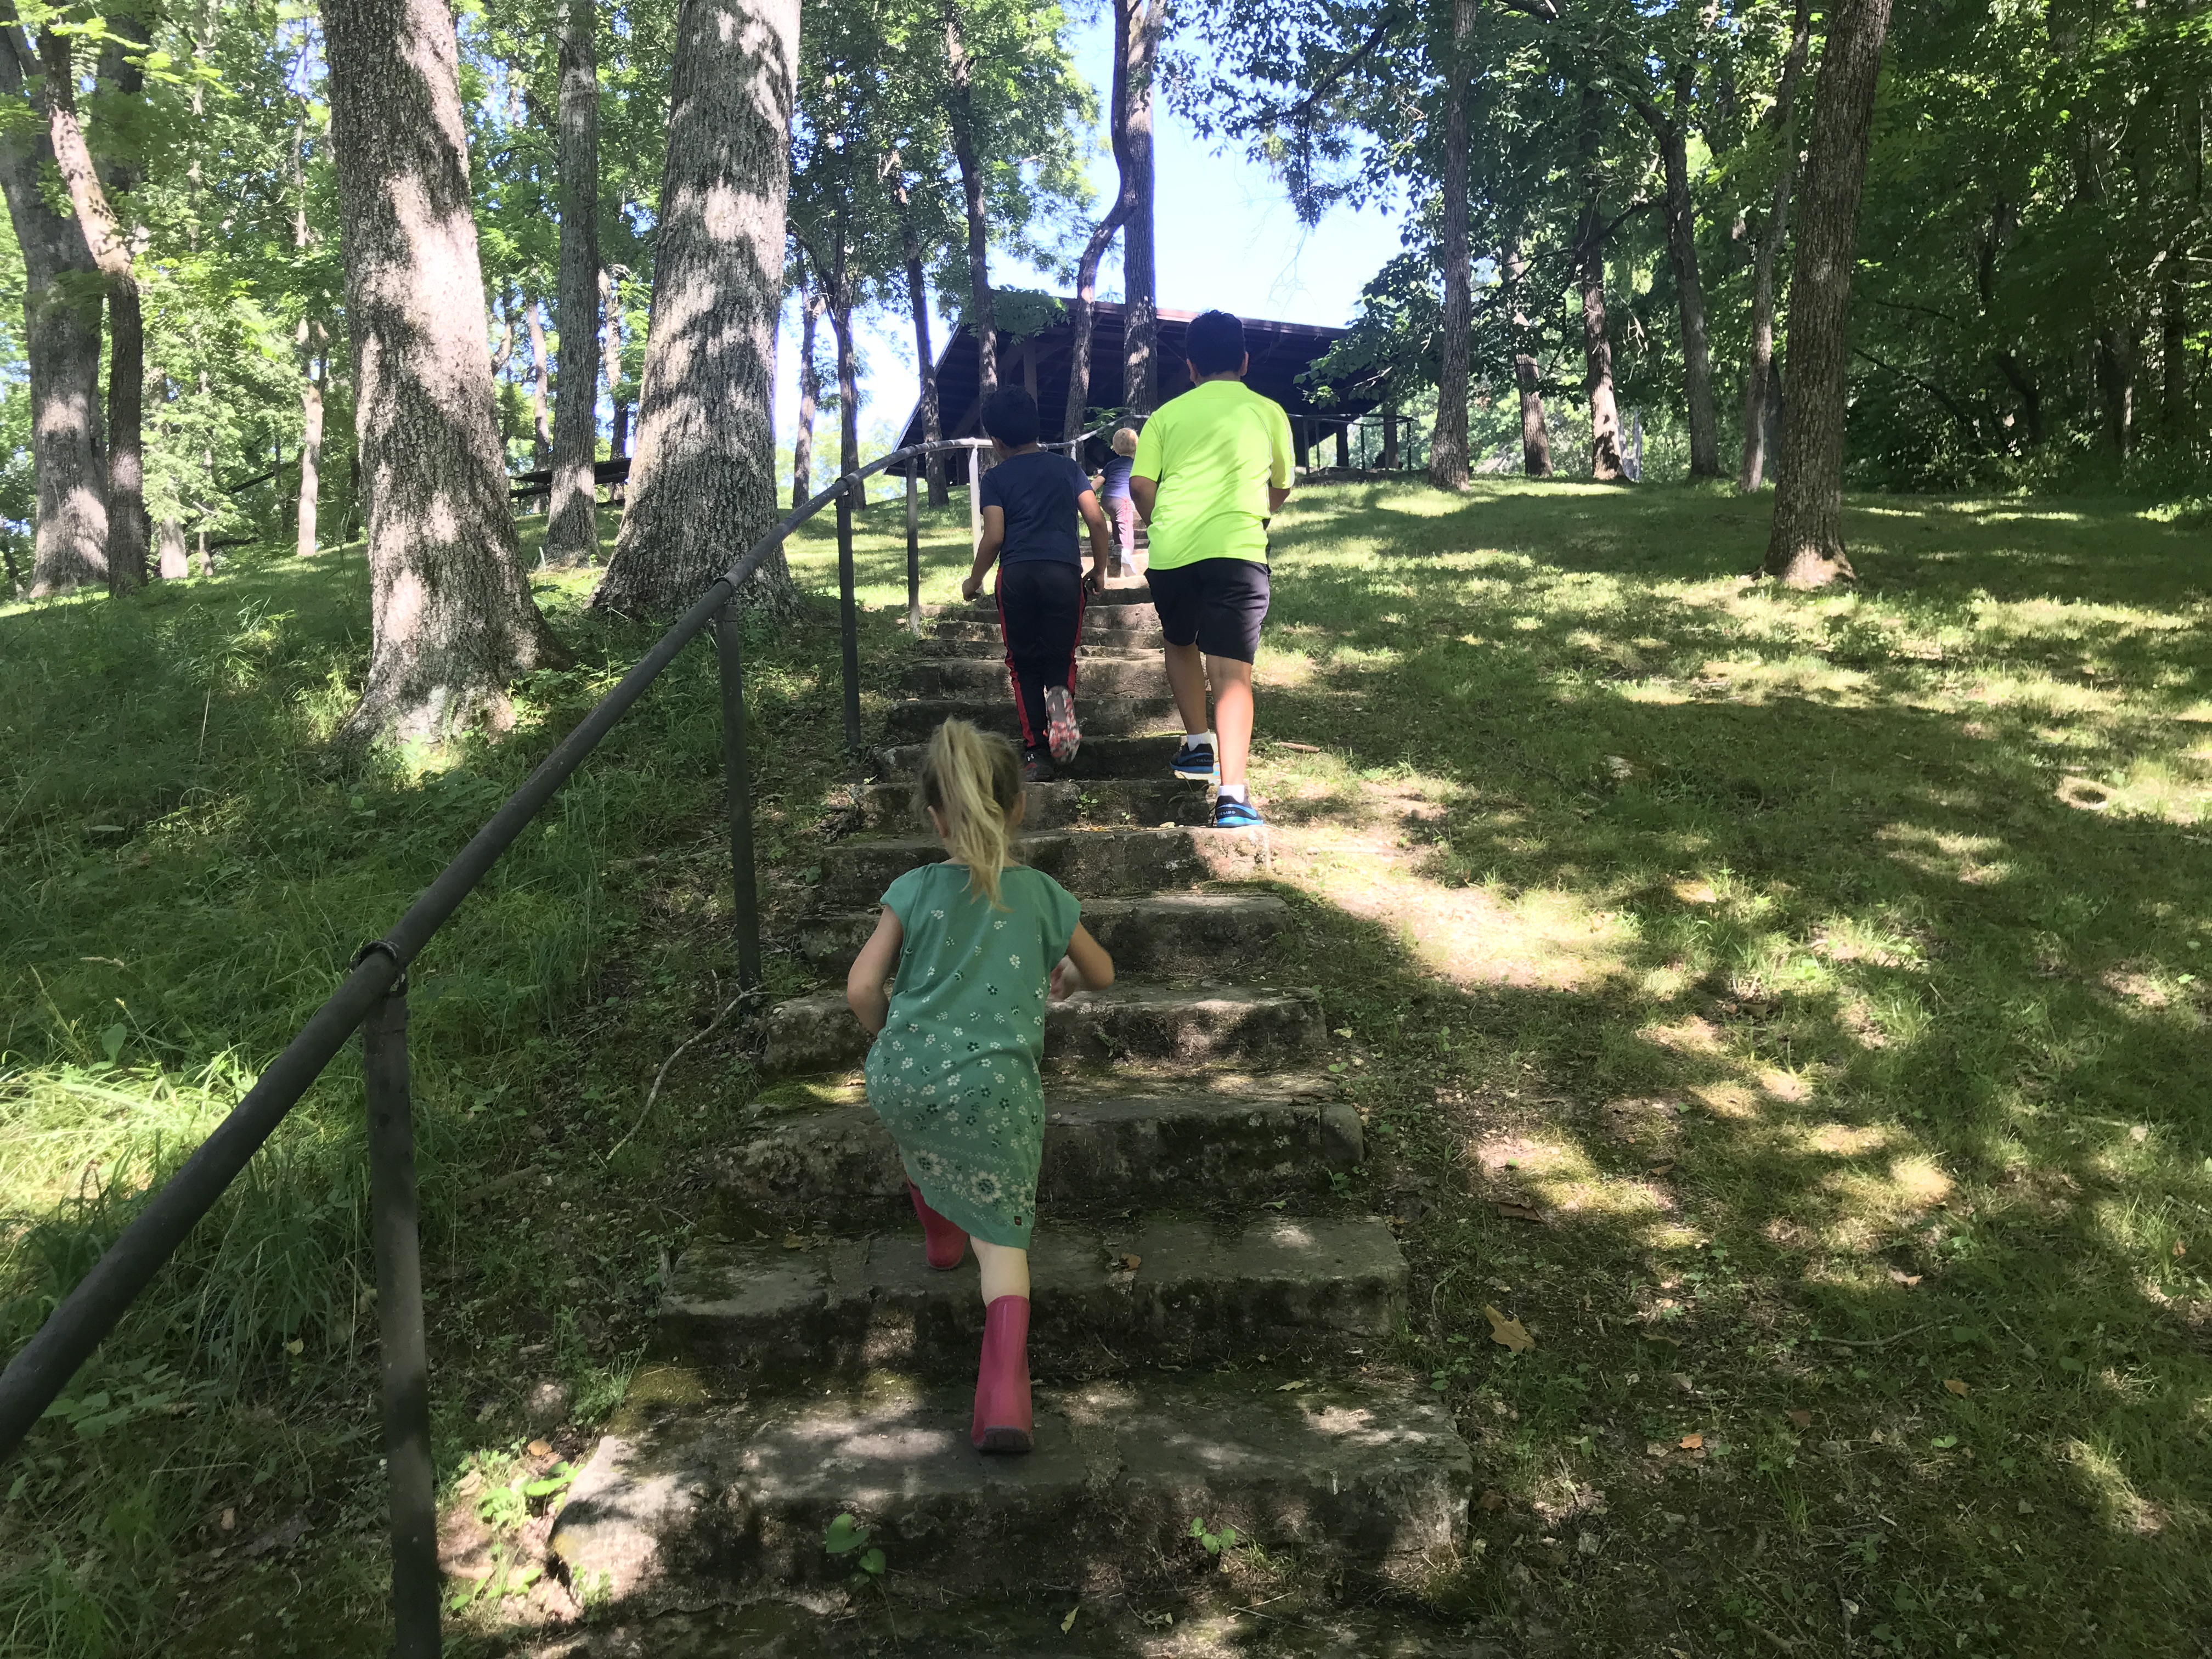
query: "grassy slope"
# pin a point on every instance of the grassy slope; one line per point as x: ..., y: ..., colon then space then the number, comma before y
x: 1877, y: 925
x: 1871, y: 915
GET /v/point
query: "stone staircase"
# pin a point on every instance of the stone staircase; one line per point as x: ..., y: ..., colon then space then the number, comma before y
x: 1212, y: 1317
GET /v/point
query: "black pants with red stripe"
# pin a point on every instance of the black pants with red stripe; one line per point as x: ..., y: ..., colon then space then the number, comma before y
x: 1041, y: 619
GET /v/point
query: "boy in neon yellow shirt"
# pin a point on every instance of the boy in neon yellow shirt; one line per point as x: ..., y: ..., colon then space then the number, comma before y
x: 1212, y: 467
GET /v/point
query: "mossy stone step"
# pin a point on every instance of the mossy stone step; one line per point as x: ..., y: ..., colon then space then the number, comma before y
x: 688, y: 1493
x: 1106, y: 862
x: 1250, y: 1141
x: 914, y: 718
x: 1252, y: 1024
x: 1165, y: 934
x: 1138, y: 676
x: 1102, y: 756
x: 1151, y: 1290
x: 1148, y: 802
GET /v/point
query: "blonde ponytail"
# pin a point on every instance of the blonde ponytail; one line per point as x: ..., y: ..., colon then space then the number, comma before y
x: 974, y: 779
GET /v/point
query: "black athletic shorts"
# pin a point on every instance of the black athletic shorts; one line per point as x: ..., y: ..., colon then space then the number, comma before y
x: 1217, y: 604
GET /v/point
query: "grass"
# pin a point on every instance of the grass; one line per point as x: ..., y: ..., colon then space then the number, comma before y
x: 1822, y: 971
x: 184, y: 877
x: 1819, y: 971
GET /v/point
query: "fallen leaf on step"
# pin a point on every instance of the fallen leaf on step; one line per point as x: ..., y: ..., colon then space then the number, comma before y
x: 1510, y: 1332
x: 793, y: 1241
x: 1291, y: 1387
x: 1899, y: 1277
x: 1068, y: 1623
x: 1956, y: 1385
x: 1520, y: 1213
x: 1690, y: 1442
x: 1133, y: 1262
x: 539, y: 1447
x: 1802, y: 1419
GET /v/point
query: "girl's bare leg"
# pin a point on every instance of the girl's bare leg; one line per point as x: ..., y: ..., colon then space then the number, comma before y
x: 1006, y: 1271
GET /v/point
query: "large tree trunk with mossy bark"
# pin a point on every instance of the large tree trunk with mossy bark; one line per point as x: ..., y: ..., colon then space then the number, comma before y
x: 1448, y: 440
x: 1761, y: 363
x: 572, y: 517
x: 451, y: 618
x: 1589, y: 274
x: 1082, y: 314
x: 1805, y: 547
x: 702, y: 487
x: 61, y: 339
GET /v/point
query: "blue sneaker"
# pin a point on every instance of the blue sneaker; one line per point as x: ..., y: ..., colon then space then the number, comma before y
x: 1231, y: 814
x: 1195, y: 760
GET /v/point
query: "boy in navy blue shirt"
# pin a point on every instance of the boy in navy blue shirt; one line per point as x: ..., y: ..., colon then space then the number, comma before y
x: 1031, y: 502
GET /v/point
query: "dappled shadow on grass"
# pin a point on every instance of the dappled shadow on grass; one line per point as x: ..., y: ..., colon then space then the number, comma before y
x: 1882, y: 1033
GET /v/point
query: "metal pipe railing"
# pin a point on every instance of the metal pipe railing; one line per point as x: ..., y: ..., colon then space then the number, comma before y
x: 373, y: 998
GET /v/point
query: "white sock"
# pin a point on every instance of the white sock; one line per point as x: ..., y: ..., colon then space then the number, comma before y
x: 1236, y: 791
x: 1206, y: 738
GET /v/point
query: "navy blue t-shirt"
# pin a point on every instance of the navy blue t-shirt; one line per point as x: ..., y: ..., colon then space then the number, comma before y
x: 1037, y: 492
x: 1114, y: 481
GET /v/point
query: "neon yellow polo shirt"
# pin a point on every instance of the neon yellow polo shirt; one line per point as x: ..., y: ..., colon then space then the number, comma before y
x: 1213, y: 451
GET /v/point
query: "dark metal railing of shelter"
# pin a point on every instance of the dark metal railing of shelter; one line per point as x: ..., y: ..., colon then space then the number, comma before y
x: 373, y: 997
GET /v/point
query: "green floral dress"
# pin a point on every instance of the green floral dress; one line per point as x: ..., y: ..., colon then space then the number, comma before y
x: 954, y: 1074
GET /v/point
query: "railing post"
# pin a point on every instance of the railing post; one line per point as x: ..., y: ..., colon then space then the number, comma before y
x: 975, y: 498
x: 406, y: 1361
x: 737, y: 776
x: 849, y: 612
x: 913, y: 552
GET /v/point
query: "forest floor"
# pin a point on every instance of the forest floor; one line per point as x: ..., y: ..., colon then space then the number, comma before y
x: 1790, y: 1009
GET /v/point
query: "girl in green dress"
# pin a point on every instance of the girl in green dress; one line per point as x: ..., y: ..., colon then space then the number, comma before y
x: 978, y: 945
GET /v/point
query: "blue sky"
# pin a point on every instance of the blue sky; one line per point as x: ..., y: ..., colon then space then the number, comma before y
x: 1226, y: 236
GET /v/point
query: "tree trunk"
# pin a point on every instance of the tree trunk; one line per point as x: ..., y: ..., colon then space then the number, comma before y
x: 1590, y: 269
x: 1749, y: 478
x: 1388, y: 460
x: 1689, y: 293
x: 1136, y: 25
x: 610, y: 355
x: 1806, y: 545
x: 848, y: 381
x: 2173, y: 355
x: 1082, y: 314
x: 1536, y: 439
x: 810, y: 399
x: 451, y: 616
x: 703, y: 489
x: 61, y: 337
x: 2116, y: 389
x: 541, y: 442
x: 169, y: 546
x: 572, y: 521
x: 110, y: 245
x: 917, y: 294
x: 960, y: 103
x: 1448, y: 442
x: 310, y: 452
x: 2030, y: 399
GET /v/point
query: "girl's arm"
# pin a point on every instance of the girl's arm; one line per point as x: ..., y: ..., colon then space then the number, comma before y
x: 1095, y: 516
x: 986, y: 550
x: 1086, y: 967
x: 864, y: 986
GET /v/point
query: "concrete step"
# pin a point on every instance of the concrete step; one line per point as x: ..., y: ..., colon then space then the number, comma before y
x: 1106, y: 862
x: 1149, y: 802
x: 1117, y: 629
x: 912, y: 721
x: 1102, y: 756
x: 988, y: 648
x: 1244, y: 1144
x: 1259, y: 1026
x: 1110, y: 677
x: 1166, y: 934
x: 1200, y: 1293
x: 688, y: 1494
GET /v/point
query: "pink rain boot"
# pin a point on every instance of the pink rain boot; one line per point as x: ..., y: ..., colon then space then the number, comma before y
x: 943, y: 1244
x: 1002, y: 1379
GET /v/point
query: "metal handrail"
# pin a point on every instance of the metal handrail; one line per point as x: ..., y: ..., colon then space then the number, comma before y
x: 373, y: 997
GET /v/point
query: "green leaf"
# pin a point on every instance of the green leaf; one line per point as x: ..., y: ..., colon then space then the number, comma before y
x: 113, y: 1040
x: 844, y: 1536
x: 557, y: 1478
x: 873, y: 1562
